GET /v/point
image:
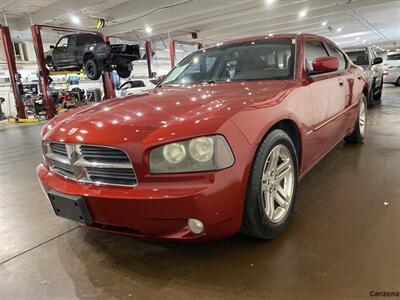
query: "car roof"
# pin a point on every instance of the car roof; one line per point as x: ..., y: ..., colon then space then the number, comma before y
x: 274, y: 36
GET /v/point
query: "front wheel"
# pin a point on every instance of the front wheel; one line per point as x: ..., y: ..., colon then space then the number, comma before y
x: 271, y: 188
x: 358, y: 134
x: 92, y: 70
x: 378, y: 96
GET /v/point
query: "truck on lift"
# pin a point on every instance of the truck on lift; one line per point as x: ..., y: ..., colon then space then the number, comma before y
x: 91, y: 52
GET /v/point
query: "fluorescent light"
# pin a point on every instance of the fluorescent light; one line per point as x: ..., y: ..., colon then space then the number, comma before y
x: 148, y: 29
x: 303, y: 13
x: 269, y: 1
x: 324, y: 23
x: 75, y: 20
x: 339, y: 29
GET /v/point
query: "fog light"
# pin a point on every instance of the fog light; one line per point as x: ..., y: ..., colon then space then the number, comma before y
x: 195, y: 226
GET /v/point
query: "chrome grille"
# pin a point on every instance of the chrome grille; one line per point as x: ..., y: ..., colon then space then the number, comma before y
x: 90, y: 163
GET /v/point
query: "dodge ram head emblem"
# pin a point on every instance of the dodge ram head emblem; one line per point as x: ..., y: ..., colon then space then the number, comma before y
x: 72, y: 131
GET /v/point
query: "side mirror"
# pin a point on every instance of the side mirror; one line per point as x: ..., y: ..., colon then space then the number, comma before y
x: 52, y: 46
x: 377, y: 60
x: 325, y: 64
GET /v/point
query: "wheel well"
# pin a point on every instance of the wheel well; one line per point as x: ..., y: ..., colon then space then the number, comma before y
x: 49, y: 59
x: 293, y: 132
x: 87, y: 56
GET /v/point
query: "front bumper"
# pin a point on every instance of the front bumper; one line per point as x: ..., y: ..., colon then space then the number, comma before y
x: 161, y: 211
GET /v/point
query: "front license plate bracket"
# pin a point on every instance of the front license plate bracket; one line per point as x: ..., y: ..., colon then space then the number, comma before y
x: 71, y: 207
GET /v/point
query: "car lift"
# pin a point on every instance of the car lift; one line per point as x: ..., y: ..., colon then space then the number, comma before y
x: 108, y: 85
x: 14, y: 76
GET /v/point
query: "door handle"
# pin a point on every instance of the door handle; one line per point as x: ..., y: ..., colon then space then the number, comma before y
x: 340, y: 82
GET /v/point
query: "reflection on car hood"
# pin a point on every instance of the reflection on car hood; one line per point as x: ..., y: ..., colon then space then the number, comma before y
x: 162, y: 113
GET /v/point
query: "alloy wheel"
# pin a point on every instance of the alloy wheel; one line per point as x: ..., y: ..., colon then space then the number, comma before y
x: 362, y: 118
x: 277, y: 185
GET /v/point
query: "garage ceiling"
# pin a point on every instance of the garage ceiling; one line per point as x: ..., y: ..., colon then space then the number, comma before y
x: 349, y: 23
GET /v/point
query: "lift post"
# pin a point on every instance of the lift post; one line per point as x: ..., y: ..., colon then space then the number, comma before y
x: 108, y: 83
x: 43, y: 72
x: 148, y: 58
x: 12, y: 68
x: 171, y: 45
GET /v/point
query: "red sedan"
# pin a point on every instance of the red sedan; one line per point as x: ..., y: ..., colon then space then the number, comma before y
x: 218, y: 147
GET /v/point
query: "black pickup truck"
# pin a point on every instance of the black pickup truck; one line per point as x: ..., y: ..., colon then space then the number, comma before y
x: 90, y: 52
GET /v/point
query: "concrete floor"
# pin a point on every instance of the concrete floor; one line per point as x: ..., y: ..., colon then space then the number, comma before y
x: 342, y: 241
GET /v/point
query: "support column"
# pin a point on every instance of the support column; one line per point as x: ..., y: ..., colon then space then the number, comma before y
x: 172, y: 53
x: 43, y: 72
x: 12, y: 68
x: 107, y: 77
x: 149, y: 58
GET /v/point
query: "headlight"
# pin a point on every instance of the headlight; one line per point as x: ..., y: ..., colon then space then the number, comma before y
x: 199, y: 154
x: 174, y: 153
x: 201, y: 149
x: 45, y: 150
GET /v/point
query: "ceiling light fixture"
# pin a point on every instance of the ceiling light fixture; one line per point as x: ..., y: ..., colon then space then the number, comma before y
x: 303, y: 13
x: 324, y: 23
x: 339, y: 29
x: 148, y: 29
x: 269, y: 1
x: 75, y: 20
x: 358, y: 38
x: 364, y: 41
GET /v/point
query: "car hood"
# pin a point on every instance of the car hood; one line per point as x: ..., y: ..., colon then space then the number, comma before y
x: 162, y: 114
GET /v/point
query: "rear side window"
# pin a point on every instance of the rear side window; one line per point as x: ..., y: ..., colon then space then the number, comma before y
x: 333, y: 51
x: 88, y: 39
x: 313, y: 50
x: 137, y: 84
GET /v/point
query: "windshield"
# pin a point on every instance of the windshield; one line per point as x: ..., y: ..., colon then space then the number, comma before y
x: 259, y: 60
x: 393, y: 57
x: 359, y: 57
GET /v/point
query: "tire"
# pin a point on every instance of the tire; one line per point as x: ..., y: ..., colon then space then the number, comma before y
x: 91, y: 69
x: 259, y: 220
x: 358, y: 134
x: 50, y: 63
x: 370, y: 99
x: 123, y: 72
x: 378, y: 96
x: 398, y: 81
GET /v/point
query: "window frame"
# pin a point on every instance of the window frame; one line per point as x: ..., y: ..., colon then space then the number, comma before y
x: 324, y: 43
x: 346, y: 63
x: 305, y: 56
x: 63, y: 37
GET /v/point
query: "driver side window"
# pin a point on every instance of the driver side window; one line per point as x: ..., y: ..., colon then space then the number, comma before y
x: 63, y: 42
x: 313, y: 50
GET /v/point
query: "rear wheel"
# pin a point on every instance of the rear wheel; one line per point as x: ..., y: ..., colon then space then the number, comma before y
x: 398, y: 81
x: 271, y: 188
x: 123, y: 71
x: 91, y: 70
x: 357, y: 136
